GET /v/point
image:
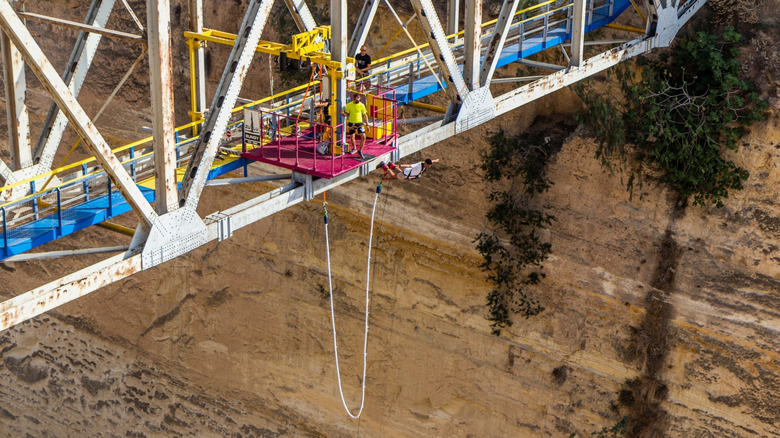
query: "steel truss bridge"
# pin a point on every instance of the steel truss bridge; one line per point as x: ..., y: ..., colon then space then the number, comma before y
x: 162, y: 178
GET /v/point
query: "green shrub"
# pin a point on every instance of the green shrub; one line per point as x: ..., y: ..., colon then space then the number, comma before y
x: 680, y: 112
x: 513, y: 250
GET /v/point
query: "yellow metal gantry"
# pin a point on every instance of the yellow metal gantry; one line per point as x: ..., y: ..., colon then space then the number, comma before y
x: 306, y: 46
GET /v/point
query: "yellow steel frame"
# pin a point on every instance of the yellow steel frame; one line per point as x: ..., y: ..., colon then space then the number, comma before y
x: 312, y: 41
x: 309, y: 52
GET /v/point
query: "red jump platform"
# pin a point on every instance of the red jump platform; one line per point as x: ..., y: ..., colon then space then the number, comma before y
x: 297, y: 153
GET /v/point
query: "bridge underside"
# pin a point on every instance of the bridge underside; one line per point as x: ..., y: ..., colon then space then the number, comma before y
x: 161, y: 178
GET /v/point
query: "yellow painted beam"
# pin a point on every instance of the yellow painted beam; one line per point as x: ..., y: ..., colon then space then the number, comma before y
x: 118, y: 228
x: 627, y: 28
x: 269, y: 47
x: 435, y: 108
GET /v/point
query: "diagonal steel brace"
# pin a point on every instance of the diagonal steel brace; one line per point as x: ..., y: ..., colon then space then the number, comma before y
x: 225, y: 98
x: 456, y: 85
x: 42, y: 68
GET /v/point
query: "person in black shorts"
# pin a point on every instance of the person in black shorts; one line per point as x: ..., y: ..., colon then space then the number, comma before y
x: 362, y: 67
x: 355, y: 112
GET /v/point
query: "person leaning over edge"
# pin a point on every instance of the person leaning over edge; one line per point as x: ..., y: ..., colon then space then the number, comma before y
x: 408, y: 171
x: 354, y: 112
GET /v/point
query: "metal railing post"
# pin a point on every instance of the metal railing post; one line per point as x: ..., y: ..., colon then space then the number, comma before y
x: 546, y: 24
x: 262, y: 136
x: 278, y: 135
x: 388, y: 73
x: 520, y: 34
x: 132, y: 162
x: 296, y: 142
x: 5, y: 233
x: 34, y: 200
x: 85, y: 184
x: 590, y: 12
x: 59, y: 212
x: 110, y: 200
x: 411, y: 79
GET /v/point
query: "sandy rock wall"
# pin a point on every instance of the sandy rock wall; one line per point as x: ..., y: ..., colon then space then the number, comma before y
x: 238, y: 333
x: 235, y: 338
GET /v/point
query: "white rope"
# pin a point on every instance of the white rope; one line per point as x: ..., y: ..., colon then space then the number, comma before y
x: 333, y: 314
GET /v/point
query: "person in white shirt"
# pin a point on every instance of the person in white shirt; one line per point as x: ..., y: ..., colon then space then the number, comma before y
x: 406, y: 171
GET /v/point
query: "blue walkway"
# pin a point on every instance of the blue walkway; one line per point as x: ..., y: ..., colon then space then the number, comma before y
x: 429, y: 84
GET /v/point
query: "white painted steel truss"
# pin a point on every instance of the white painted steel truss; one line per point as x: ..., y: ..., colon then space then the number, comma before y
x: 175, y: 228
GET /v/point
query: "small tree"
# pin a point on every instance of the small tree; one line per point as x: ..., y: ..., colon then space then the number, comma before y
x: 513, y: 250
x: 680, y: 113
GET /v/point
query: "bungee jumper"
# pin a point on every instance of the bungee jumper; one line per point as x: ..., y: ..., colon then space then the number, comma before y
x: 405, y: 171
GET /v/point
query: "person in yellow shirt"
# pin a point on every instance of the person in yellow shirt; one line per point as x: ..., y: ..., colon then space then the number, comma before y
x: 354, y: 112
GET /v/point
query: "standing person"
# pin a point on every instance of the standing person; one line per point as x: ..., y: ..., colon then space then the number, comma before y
x: 354, y: 112
x: 362, y: 66
x: 324, y: 117
x: 408, y: 171
x: 324, y: 104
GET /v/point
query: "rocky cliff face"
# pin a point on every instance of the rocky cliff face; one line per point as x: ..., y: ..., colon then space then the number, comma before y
x: 653, y: 311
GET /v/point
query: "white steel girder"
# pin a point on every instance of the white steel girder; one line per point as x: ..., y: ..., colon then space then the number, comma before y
x: 363, y: 25
x: 301, y: 15
x: 453, y: 16
x: 196, y: 25
x: 225, y: 98
x: 16, y: 105
x: 456, y: 86
x: 75, y: 73
x: 472, y: 43
x: 47, y: 75
x: 577, y: 34
x: 338, y: 53
x: 158, y: 26
x: 496, y: 44
x: 668, y: 16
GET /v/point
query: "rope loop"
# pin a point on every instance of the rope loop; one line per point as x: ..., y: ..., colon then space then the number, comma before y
x: 333, y: 312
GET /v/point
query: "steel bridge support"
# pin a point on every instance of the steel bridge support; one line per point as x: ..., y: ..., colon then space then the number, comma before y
x: 197, y: 64
x: 453, y: 16
x: 664, y: 22
x: 75, y: 72
x: 301, y: 15
x: 16, y: 105
x: 221, y: 106
x: 338, y: 53
x: 497, y: 40
x: 456, y: 89
x: 362, y: 27
x: 472, y: 43
x: 158, y: 25
x: 577, y: 34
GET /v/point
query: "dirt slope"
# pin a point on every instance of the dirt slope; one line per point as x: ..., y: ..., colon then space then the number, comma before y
x: 235, y: 339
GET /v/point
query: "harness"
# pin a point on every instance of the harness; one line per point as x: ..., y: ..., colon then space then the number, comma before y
x: 415, y: 172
